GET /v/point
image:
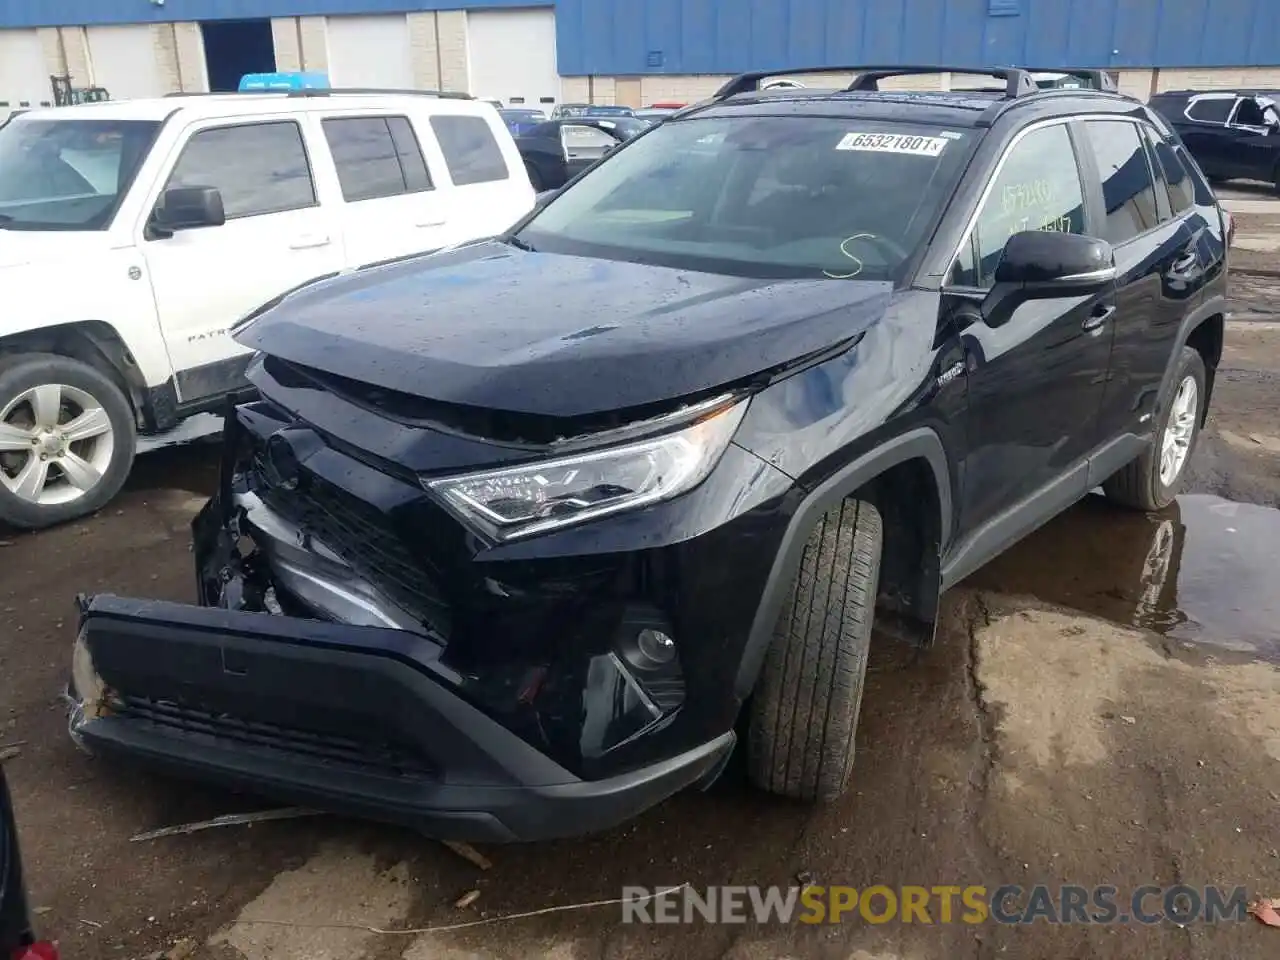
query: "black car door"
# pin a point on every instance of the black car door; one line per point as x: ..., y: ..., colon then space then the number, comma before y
x: 584, y: 144
x: 1035, y: 381
x: 1254, y: 140
x: 15, y: 923
x: 1203, y: 128
x: 1157, y: 271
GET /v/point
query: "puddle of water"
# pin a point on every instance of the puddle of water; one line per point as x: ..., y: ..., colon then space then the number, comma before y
x: 1205, y: 572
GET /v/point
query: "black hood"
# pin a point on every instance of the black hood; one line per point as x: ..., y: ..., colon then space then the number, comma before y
x: 488, y: 325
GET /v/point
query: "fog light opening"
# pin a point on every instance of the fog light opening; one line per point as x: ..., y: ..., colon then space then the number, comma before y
x: 655, y: 647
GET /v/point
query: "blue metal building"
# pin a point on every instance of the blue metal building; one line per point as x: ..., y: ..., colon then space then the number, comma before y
x: 627, y: 37
x: 639, y: 37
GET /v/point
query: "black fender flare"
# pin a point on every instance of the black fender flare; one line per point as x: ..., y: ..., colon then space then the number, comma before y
x: 919, y: 443
x: 1212, y: 307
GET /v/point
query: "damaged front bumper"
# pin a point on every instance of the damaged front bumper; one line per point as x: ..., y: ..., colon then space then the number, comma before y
x: 357, y: 720
x: 299, y: 678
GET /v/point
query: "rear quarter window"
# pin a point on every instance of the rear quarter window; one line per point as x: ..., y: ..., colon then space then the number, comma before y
x: 470, y: 149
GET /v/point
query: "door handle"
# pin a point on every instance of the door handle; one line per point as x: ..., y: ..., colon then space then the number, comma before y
x: 307, y: 241
x: 424, y: 224
x: 1098, y: 317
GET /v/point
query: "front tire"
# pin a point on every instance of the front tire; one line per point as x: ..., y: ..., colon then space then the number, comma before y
x: 1153, y: 480
x: 805, y: 710
x: 67, y: 440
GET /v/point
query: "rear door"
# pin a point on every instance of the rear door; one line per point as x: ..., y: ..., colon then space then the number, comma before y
x: 1206, y: 136
x: 389, y: 204
x: 1255, y: 139
x: 491, y: 190
x: 276, y: 236
x: 1157, y: 270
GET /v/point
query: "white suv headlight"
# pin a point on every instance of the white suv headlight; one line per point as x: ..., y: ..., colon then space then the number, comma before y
x: 533, y: 498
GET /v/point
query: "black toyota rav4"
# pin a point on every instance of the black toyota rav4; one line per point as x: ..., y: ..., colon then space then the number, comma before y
x: 522, y: 536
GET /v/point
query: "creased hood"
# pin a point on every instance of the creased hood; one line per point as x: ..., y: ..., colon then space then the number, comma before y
x: 492, y: 326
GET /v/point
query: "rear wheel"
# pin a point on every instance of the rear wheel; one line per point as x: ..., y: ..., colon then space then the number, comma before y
x: 535, y: 178
x: 67, y: 437
x: 805, y: 709
x: 1153, y: 480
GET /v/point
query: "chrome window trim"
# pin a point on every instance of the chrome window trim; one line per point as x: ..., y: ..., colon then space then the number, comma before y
x: 967, y: 236
x: 1186, y: 111
x: 972, y: 222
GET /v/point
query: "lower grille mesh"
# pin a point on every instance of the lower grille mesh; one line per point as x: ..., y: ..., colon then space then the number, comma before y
x: 354, y: 754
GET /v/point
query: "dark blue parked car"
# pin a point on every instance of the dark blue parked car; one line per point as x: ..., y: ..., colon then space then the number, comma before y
x: 520, y: 122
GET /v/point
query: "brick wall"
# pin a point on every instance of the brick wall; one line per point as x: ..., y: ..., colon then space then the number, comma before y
x: 424, y: 50
x: 284, y: 37
x: 455, y: 66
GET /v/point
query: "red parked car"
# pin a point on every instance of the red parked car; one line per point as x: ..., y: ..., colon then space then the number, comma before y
x: 17, y: 939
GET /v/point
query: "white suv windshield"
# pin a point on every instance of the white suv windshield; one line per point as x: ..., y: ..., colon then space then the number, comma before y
x: 787, y: 197
x: 68, y: 174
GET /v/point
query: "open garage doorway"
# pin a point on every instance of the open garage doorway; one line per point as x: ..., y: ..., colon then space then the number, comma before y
x: 233, y: 48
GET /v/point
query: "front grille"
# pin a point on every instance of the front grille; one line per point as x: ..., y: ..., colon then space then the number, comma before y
x: 362, y: 536
x: 362, y: 756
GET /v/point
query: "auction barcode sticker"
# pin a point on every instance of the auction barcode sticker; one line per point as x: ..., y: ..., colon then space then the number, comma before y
x: 893, y: 143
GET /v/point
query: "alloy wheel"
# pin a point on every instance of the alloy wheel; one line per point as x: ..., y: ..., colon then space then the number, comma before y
x: 1175, y: 445
x: 56, y: 442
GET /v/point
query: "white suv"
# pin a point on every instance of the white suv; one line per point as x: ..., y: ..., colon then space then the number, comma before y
x: 135, y: 234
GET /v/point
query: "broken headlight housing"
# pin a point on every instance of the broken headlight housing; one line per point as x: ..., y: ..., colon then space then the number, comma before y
x: 544, y: 495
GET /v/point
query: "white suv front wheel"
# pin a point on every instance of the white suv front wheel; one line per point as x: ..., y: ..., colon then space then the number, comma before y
x: 67, y: 438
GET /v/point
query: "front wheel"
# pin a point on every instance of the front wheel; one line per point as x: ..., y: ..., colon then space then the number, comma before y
x: 67, y: 439
x: 1153, y: 480
x: 805, y: 709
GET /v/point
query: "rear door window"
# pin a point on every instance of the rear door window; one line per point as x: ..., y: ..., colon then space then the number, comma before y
x: 470, y: 150
x: 1211, y: 109
x: 376, y: 157
x: 1182, y: 192
x: 259, y: 168
x: 1127, y: 185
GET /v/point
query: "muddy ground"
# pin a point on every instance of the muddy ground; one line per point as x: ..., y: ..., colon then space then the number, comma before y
x: 1102, y: 707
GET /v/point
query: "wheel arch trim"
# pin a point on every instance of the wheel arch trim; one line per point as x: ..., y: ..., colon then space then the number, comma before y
x: 1215, y: 306
x: 920, y: 443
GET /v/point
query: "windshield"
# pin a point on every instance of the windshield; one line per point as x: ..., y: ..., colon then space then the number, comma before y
x: 786, y: 197
x: 68, y: 174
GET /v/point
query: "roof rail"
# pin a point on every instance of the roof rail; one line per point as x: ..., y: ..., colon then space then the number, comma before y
x: 327, y: 91
x: 1018, y: 82
x: 1098, y: 79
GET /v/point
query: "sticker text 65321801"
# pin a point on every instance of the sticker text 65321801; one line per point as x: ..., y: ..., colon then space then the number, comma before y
x: 893, y: 143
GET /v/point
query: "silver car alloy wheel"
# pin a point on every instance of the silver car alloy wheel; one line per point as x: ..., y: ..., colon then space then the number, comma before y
x: 56, y: 442
x: 1179, y: 431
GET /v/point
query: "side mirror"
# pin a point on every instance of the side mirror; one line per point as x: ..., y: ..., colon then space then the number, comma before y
x: 186, y: 208
x: 546, y: 196
x: 1041, y: 264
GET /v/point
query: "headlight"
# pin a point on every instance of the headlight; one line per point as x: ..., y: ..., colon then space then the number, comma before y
x: 550, y: 494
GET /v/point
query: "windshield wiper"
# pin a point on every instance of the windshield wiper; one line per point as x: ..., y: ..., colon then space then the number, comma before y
x: 5, y: 220
x: 521, y: 244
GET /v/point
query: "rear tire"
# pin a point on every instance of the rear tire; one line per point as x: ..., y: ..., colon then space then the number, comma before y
x: 1154, y: 479
x: 67, y: 440
x: 535, y: 178
x: 805, y: 710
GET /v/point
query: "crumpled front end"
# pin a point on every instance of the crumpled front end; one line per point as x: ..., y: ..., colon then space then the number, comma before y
x: 356, y: 648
